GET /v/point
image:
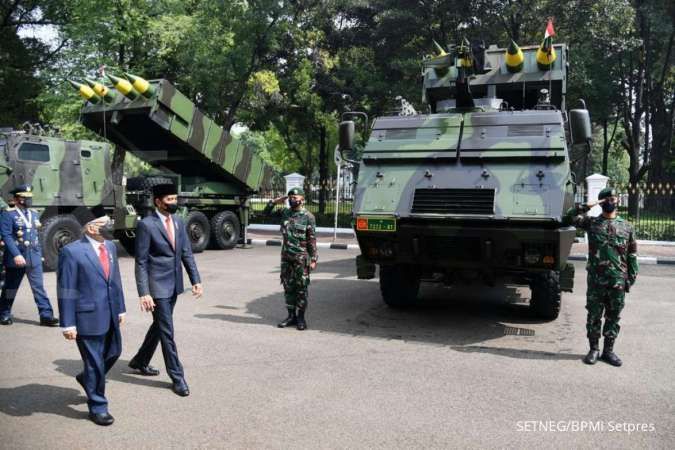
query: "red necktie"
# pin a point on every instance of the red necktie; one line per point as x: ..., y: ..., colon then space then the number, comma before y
x: 103, y: 257
x: 169, y: 231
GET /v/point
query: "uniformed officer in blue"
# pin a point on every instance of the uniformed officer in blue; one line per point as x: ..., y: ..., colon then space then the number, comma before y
x: 19, y: 227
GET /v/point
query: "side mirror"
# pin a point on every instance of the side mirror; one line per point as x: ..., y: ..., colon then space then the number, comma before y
x: 580, y: 125
x: 347, y: 135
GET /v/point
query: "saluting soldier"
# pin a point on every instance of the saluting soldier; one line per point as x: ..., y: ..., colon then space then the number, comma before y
x: 612, y: 269
x: 298, y: 254
x: 19, y: 228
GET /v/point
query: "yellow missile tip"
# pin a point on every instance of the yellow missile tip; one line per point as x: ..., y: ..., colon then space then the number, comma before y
x: 514, y: 58
x: 440, y: 50
x: 142, y: 85
x: 85, y: 91
x: 123, y: 86
x: 546, y: 55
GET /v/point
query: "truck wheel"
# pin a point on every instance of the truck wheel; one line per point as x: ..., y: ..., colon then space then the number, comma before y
x: 57, y: 232
x: 546, y: 297
x: 399, y: 285
x: 198, y: 230
x: 225, y: 230
x: 146, y: 183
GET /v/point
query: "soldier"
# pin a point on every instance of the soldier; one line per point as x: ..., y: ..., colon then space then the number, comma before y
x: 298, y: 254
x: 19, y: 229
x: 612, y: 268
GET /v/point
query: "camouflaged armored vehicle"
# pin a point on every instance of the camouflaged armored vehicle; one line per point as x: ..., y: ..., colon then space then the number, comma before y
x: 215, y: 173
x: 65, y: 175
x: 473, y: 191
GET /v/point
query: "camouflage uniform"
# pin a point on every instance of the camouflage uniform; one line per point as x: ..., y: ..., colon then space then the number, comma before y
x: 298, y: 250
x: 612, y: 268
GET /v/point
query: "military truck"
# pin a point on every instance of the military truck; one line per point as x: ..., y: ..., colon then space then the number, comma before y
x: 65, y: 175
x: 214, y: 171
x: 474, y: 190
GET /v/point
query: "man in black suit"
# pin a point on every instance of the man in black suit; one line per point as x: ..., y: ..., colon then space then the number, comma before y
x: 162, y: 245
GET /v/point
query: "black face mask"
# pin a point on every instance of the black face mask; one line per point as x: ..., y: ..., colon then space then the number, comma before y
x: 171, y: 207
x: 295, y: 203
x: 608, y: 207
x: 26, y: 202
x: 107, y: 231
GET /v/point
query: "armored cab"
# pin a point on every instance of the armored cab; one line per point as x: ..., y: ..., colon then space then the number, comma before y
x: 475, y: 190
x: 215, y: 172
x: 64, y: 174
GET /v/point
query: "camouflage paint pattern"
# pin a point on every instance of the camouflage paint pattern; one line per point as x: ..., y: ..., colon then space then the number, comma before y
x: 170, y: 132
x: 67, y: 174
x: 472, y: 188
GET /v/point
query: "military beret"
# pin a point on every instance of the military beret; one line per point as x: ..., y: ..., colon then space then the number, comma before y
x: 85, y: 215
x: 22, y: 190
x: 607, y: 192
x: 162, y: 190
x: 296, y: 191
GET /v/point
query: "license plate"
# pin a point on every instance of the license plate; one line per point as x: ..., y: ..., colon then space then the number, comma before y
x: 375, y: 224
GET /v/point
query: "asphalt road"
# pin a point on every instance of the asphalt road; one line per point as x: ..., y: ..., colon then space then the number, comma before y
x: 468, y: 368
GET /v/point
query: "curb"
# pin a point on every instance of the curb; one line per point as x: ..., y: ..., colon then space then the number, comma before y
x: 319, y: 230
x: 277, y: 243
x: 646, y: 260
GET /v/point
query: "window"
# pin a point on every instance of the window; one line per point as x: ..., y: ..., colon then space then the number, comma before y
x: 34, y: 152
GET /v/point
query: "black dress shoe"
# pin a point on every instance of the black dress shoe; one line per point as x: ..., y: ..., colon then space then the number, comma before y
x: 49, y: 321
x: 80, y: 379
x: 6, y: 321
x: 102, y: 419
x: 181, y: 389
x: 148, y: 370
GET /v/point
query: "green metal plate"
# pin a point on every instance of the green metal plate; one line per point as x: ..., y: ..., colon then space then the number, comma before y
x: 364, y: 223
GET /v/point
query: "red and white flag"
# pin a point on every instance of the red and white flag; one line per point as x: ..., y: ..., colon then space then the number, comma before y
x: 549, y: 29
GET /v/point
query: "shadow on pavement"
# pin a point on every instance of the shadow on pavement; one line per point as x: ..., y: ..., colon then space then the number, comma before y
x: 464, y: 318
x: 120, y: 372
x: 41, y: 398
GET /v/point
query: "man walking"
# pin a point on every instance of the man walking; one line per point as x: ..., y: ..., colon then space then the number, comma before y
x: 19, y: 230
x: 162, y: 245
x: 91, y: 305
x: 612, y: 269
x: 299, y: 255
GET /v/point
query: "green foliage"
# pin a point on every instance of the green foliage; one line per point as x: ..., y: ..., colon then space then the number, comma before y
x: 288, y: 69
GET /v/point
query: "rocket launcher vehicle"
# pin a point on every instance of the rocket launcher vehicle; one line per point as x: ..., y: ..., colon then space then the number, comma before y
x: 160, y: 125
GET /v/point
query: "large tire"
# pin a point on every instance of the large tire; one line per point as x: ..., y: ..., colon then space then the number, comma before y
x: 399, y: 285
x: 225, y: 230
x: 198, y: 230
x: 57, y: 232
x: 146, y: 183
x: 546, y: 297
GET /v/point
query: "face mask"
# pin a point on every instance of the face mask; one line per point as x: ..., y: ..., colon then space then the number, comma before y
x: 171, y: 207
x: 107, y: 231
x: 295, y: 203
x: 26, y: 202
x: 608, y: 207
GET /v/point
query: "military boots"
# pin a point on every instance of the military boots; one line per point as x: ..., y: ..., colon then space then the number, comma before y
x: 594, y: 352
x: 290, y: 320
x: 302, y: 325
x: 608, y: 354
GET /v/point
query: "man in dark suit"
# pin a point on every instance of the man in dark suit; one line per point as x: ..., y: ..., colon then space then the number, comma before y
x: 19, y: 230
x: 162, y: 245
x: 91, y: 305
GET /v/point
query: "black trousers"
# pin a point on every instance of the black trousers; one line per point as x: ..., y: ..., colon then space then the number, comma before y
x: 161, y: 331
